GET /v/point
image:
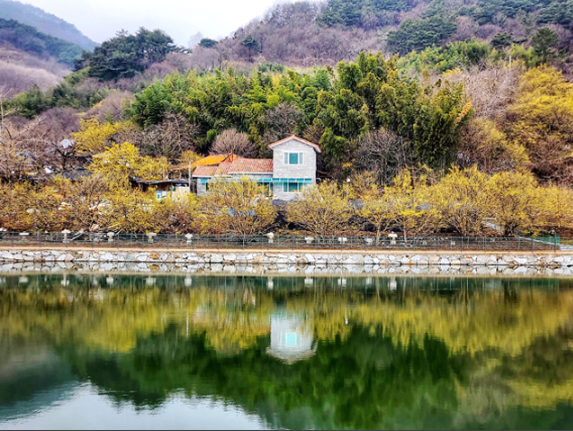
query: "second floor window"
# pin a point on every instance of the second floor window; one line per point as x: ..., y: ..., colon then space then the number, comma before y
x: 293, y: 158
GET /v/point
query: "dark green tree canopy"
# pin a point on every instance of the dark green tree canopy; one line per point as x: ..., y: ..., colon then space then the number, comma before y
x: 126, y: 54
x: 544, y: 42
x: 208, y: 43
x: 30, y: 40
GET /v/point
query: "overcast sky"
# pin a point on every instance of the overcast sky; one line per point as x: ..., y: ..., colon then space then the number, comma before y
x: 101, y: 19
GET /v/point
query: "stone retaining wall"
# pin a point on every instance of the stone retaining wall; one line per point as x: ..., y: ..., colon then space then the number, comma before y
x: 506, y: 260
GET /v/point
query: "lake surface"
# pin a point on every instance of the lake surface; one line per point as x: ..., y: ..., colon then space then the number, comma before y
x: 132, y: 352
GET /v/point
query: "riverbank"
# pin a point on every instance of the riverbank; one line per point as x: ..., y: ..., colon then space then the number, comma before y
x: 538, y: 259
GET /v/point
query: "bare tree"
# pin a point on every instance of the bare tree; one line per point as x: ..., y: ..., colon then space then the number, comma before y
x: 281, y: 122
x: 112, y: 107
x: 385, y: 154
x: 235, y: 142
x: 169, y: 139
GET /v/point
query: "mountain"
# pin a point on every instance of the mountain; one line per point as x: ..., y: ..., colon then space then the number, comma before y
x: 307, y: 33
x: 26, y: 38
x: 44, y: 22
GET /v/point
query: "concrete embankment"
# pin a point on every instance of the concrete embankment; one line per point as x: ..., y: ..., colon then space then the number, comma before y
x: 319, y: 258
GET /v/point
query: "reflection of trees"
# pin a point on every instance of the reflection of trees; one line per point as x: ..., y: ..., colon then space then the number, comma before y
x: 362, y: 382
x: 429, y: 351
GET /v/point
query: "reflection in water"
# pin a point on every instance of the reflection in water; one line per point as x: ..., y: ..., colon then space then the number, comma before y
x: 294, y: 352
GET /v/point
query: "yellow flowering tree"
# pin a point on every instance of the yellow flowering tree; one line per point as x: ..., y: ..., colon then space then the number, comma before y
x: 411, y: 203
x: 323, y: 210
x: 513, y: 201
x: 461, y: 200
x: 238, y: 207
x: 93, y: 136
x: 122, y: 161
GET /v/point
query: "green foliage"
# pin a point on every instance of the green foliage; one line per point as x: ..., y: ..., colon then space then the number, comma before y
x: 125, y: 55
x: 420, y: 34
x: 544, y: 42
x: 44, y: 22
x: 365, y: 95
x: 357, y: 12
x: 502, y: 40
x: 451, y: 56
x: 208, y: 43
x: 30, y: 40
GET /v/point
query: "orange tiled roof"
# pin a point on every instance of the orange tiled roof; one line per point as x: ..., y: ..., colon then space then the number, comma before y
x: 205, y: 171
x: 237, y: 166
x: 304, y: 141
x: 251, y: 166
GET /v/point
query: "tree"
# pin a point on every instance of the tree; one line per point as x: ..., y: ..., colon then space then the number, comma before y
x: 385, y: 154
x: 322, y: 210
x: 420, y: 34
x: 231, y: 141
x: 252, y: 46
x: 237, y: 207
x: 377, y: 211
x: 208, y: 43
x: 93, y: 136
x: 502, y: 40
x: 123, y: 161
x: 513, y: 202
x: 169, y: 139
x: 544, y: 42
x: 556, y: 204
x: 125, y: 55
x: 134, y: 211
x: 411, y: 205
x: 543, y: 123
x: 461, y: 200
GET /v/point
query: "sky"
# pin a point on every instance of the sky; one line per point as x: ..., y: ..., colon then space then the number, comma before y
x: 181, y: 19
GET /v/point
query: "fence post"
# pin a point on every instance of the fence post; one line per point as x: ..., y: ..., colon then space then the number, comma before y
x: 532, y: 244
x: 554, y: 243
x: 218, y: 246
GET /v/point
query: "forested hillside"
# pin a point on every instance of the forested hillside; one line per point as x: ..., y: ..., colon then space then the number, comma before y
x: 31, y: 41
x: 44, y: 22
x: 305, y: 33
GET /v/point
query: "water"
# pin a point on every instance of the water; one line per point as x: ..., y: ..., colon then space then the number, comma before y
x: 119, y: 351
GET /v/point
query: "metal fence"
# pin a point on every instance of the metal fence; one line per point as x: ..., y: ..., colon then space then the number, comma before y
x: 275, y: 242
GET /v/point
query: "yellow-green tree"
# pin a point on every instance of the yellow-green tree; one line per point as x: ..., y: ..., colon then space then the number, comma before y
x: 377, y: 211
x: 240, y: 207
x: 122, y: 161
x: 93, y: 136
x: 322, y: 210
x: 134, y: 211
x: 412, y: 210
x: 461, y: 199
x: 544, y: 122
x: 556, y: 208
x: 513, y: 202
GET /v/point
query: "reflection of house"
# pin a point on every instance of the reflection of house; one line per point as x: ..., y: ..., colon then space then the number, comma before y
x: 291, y: 338
x: 292, y: 167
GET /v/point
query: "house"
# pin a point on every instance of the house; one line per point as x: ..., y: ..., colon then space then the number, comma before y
x: 291, y: 337
x: 292, y: 167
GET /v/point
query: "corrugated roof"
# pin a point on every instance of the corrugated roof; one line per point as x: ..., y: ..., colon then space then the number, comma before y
x: 214, y: 160
x: 251, y: 166
x: 304, y: 141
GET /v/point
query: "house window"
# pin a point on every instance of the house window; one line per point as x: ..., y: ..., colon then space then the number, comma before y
x: 293, y: 158
x: 292, y: 187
